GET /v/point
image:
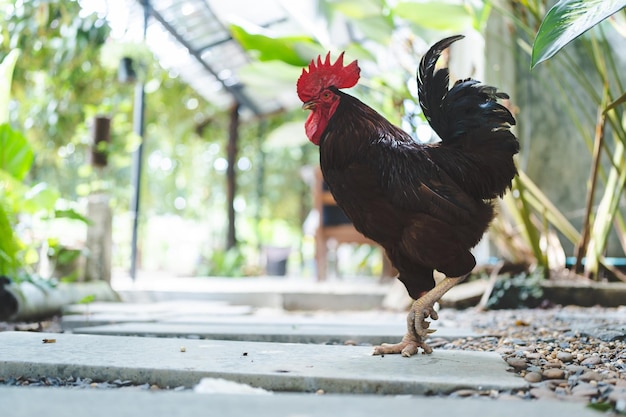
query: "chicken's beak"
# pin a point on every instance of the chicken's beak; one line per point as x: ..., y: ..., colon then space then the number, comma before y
x: 309, y: 105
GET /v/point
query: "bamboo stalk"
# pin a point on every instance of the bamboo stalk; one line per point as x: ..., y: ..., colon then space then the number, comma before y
x: 606, y: 211
x: 540, y: 202
x: 581, y: 247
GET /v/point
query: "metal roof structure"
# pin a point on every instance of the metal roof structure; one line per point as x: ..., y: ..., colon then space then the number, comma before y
x: 192, y: 39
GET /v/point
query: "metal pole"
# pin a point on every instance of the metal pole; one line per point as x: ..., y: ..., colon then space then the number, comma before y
x: 231, y: 178
x: 138, y: 127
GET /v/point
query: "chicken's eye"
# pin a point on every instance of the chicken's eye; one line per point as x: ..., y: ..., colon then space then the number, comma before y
x: 326, y: 95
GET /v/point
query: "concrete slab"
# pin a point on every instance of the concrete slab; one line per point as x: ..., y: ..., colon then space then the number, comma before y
x: 273, y: 366
x: 95, y: 314
x: 157, y: 308
x: 37, y: 402
x: 270, y: 332
x: 281, y: 317
x: 344, y: 318
x: 284, y: 293
x: 323, y: 333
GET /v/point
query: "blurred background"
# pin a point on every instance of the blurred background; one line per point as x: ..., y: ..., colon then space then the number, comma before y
x: 165, y: 136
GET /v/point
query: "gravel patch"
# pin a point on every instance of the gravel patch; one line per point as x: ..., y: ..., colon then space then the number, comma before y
x: 83, y: 383
x: 51, y: 325
x: 571, y: 353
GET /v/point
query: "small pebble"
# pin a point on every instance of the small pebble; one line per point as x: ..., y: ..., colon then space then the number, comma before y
x: 553, y: 373
x: 575, y: 368
x: 553, y: 383
x: 584, y: 390
x: 466, y: 392
x: 533, y: 355
x: 565, y: 356
x: 553, y: 364
x: 517, y: 363
x: 590, y: 376
x: 591, y: 361
x: 533, y: 377
x: 619, y: 393
x: 542, y: 393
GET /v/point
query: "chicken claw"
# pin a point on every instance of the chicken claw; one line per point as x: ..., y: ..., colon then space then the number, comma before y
x: 408, y: 347
x: 417, y: 332
x: 416, y: 320
x: 417, y: 326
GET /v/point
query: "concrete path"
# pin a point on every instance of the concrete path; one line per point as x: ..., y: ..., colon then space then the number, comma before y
x: 269, y: 331
x: 163, y: 308
x: 217, y: 320
x: 349, y: 375
x: 285, y: 293
x: 49, y: 402
x: 273, y: 366
x: 80, y: 315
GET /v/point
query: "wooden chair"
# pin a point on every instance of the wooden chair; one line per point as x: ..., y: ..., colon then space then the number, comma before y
x: 335, y: 226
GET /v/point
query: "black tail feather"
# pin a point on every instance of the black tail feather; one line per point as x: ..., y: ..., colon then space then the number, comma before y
x: 432, y: 87
x: 466, y: 106
x: 477, y: 146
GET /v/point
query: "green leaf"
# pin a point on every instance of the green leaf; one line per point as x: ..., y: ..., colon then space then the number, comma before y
x: 88, y: 299
x: 378, y: 28
x: 6, y: 75
x: 435, y: 15
x: 265, y: 79
x: 40, y: 197
x: 16, y: 155
x: 566, y: 21
x: 72, y: 215
x: 284, y: 49
x: 358, y: 9
x: 8, y: 245
x: 603, y: 406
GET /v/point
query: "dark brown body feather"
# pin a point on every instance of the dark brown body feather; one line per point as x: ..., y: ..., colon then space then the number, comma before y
x: 427, y: 205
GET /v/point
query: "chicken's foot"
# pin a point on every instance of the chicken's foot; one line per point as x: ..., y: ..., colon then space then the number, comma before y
x: 417, y: 326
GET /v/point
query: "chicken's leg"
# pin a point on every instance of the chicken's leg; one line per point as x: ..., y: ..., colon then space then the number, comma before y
x: 417, y: 326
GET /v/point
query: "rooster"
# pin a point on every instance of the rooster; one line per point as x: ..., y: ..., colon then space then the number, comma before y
x: 427, y: 205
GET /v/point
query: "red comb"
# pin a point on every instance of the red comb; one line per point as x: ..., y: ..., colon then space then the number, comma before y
x: 324, y: 75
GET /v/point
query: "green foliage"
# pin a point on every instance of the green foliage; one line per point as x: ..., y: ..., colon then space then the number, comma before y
x: 15, y: 160
x: 64, y: 260
x: 566, y: 21
x: 293, y: 50
x: 435, y: 15
x: 56, y: 82
x: 602, y: 407
x: 222, y: 263
x: 6, y: 75
x: 601, y: 87
x: 372, y: 18
x: 9, y: 261
x: 112, y: 53
x: 520, y: 291
x: 88, y: 299
x: 71, y: 214
x: 16, y: 155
